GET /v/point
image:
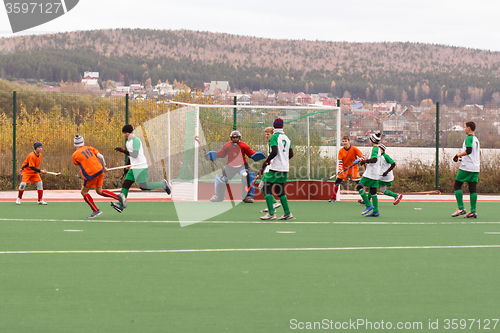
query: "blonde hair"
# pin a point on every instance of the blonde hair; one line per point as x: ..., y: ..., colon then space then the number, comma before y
x: 269, y: 129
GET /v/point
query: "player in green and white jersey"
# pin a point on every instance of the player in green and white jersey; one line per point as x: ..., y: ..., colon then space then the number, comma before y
x: 468, y: 171
x: 387, y: 164
x: 371, y: 177
x: 281, y: 153
x: 139, y: 170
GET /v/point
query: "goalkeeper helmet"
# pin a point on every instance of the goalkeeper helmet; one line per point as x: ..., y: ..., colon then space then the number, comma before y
x: 235, y: 134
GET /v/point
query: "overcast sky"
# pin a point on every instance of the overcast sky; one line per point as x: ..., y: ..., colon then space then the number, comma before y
x: 465, y: 23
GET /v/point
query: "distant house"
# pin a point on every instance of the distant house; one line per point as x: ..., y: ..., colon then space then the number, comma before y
x: 381, y: 108
x: 303, y: 99
x: 328, y: 101
x: 346, y: 101
x: 222, y: 86
x: 243, y: 99
x: 91, y: 80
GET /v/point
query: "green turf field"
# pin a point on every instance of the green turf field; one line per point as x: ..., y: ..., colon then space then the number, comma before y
x: 141, y: 272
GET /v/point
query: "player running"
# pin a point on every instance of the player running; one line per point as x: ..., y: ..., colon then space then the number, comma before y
x: 279, y: 158
x: 387, y: 164
x: 348, y: 156
x: 92, y: 167
x: 468, y: 171
x: 269, y: 131
x: 371, y: 177
x: 235, y: 150
x: 138, y: 172
x: 30, y: 173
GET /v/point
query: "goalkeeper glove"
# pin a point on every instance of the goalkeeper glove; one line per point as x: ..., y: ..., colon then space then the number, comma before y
x: 120, y: 149
x: 455, y: 158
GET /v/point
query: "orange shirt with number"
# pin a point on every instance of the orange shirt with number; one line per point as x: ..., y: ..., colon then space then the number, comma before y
x: 346, y: 159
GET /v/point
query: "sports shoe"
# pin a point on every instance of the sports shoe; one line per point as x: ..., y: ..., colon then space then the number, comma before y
x: 367, y: 210
x: 471, y: 215
x: 95, y: 214
x: 18, y: 201
x: 397, y: 199
x: 286, y: 217
x: 248, y: 199
x: 331, y: 200
x: 361, y: 202
x: 275, y: 206
x: 215, y: 198
x: 116, y: 206
x: 166, y: 187
x: 41, y: 202
x: 459, y: 212
x: 373, y: 214
x: 268, y: 217
x: 123, y: 200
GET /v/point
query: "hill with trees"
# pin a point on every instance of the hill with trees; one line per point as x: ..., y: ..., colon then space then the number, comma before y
x: 406, y: 72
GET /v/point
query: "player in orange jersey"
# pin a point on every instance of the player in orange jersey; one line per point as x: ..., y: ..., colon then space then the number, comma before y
x: 30, y: 173
x: 348, y: 155
x: 92, y: 167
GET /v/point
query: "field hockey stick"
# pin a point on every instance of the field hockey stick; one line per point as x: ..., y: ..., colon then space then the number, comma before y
x: 125, y: 166
x: 337, y: 174
x: 53, y: 173
x: 253, y: 183
x: 119, y: 181
x: 197, y: 139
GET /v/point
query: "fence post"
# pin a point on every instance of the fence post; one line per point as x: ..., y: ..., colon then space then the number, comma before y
x: 234, y: 113
x: 437, y: 146
x: 126, y: 122
x: 126, y: 108
x: 14, y: 125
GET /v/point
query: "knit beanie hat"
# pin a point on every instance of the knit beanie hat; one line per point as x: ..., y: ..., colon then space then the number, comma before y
x: 78, y: 141
x: 375, y: 137
x: 278, y: 123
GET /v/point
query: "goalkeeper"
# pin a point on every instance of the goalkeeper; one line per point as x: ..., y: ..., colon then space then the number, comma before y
x: 235, y: 150
x: 139, y: 172
x: 348, y: 155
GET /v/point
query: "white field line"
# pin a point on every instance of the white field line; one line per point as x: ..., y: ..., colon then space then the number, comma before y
x: 492, y: 233
x: 263, y: 249
x: 247, y: 222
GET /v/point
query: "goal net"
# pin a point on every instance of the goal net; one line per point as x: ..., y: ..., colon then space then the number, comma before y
x: 176, y: 143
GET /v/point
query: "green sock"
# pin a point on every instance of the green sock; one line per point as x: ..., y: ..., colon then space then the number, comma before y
x: 269, y: 202
x: 473, y: 202
x: 124, y: 191
x: 284, y: 203
x: 390, y: 193
x: 153, y: 185
x: 369, y: 195
x: 459, y: 195
x: 274, y: 200
x: 365, y: 198
x: 375, y: 203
